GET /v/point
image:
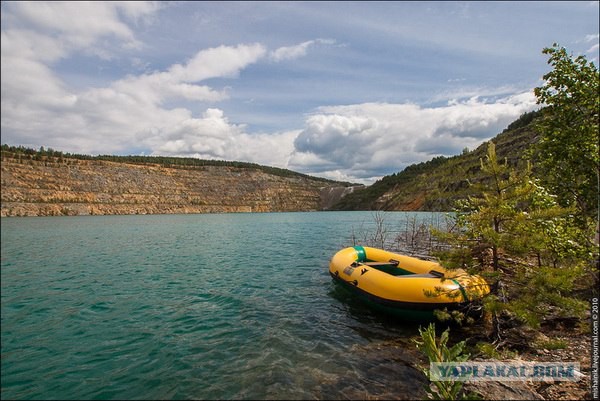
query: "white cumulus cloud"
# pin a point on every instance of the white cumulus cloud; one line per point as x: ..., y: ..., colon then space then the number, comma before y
x: 213, y: 137
x: 39, y: 107
x: 367, y: 141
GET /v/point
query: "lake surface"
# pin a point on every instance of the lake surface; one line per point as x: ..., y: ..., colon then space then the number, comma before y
x: 213, y: 306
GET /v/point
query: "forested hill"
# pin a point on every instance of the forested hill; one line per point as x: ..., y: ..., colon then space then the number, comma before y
x: 47, y: 182
x: 435, y: 185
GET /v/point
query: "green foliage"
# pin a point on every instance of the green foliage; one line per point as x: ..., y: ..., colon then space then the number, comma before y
x: 546, y: 289
x: 365, y: 198
x: 491, y: 218
x: 439, y: 351
x: 455, y: 316
x: 489, y: 351
x: 553, y: 344
x: 523, y: 121
x: 516, y: 219
x: 568, y: 151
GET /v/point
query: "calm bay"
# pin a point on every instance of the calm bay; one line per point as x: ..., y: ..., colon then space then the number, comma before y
x: 214, y: 306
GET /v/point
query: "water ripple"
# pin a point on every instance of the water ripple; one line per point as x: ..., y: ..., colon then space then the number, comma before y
x: 188, y: 307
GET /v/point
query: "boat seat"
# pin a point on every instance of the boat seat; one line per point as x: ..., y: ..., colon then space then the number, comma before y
x: 392, y: 262
x: 431, y: 274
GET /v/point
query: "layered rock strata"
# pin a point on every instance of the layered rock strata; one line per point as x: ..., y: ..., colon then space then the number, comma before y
x: 53, y: 186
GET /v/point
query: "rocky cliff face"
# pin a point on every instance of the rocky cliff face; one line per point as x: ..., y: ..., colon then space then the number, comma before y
x: 52, y: 186
x: 332, y: 194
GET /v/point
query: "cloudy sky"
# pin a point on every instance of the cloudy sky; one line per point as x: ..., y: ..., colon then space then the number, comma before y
x: 344, y: 90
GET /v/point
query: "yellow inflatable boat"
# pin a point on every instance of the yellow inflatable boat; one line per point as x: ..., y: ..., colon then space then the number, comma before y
x: 404, y: 285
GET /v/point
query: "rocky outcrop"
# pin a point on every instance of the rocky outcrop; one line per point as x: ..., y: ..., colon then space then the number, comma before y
x: 332, y: 194
x: 54, y: 186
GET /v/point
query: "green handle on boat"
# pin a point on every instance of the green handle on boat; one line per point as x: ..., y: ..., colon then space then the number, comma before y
x: 360, y: 253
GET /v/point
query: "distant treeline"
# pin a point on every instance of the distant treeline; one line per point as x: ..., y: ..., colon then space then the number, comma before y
x: 364, y: 199
x: 171, y: 162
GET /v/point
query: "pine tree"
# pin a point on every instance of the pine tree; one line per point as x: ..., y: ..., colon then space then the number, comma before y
x: 536, y: 250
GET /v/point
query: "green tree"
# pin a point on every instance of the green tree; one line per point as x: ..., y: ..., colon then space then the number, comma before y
x: 535, y: 250
x: 568, y: 153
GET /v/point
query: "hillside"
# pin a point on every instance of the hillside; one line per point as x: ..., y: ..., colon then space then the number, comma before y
x: 45, y: 183
x: 41, y: 183
x: 436, y: 184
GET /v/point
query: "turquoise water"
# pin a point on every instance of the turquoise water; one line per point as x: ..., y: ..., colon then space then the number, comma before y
x: 215, y: 306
